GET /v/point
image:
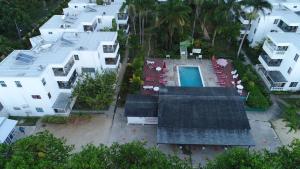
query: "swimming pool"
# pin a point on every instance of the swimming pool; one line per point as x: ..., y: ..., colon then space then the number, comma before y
x: 190, y: 76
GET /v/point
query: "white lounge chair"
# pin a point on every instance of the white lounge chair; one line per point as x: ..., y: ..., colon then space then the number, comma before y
x: 233, y: 72
x: 235, y: 76
x: 148, y: 87
x: 239, y: 82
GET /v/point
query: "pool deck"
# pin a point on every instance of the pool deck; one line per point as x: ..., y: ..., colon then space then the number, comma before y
x: 208, y: 75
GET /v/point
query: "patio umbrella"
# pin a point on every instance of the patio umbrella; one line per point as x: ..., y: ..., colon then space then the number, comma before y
x: 222, y: 62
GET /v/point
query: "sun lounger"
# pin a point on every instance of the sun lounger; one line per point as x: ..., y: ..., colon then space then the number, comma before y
x: 148, y: 87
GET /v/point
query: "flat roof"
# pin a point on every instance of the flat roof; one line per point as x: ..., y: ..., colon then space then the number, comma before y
x: 288, y: 16
x: 28, y: 63
x: 6, y: 126
x: 75, y: 17
x: 141, y: 106
x: 285, y: 38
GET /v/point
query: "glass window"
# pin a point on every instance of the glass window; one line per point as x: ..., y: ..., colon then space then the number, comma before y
x: 254, y: 30
x: 290, y: 70
x: 3, y: 84
x: 36, y: 96
x: 39, y: 109
x: 18, y: 84
x: 49, y: 95
x: 276, y: 21
x: 296, y: 57
x: 16, y: 108
x: 293, y: 84
x: 44, y: 81
x: 76, y: 57
x: 50, y: 33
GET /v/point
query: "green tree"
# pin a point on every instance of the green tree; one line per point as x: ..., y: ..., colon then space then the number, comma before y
x: 131, y: 155
x: 95, y: 92
x: 256, y: 7
x: 40, y: 151
x: 173, y: 15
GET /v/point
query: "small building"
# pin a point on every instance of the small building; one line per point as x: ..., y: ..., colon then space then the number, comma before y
x: 194, y: 116
x: 141, y: 109
x: 7, y: 129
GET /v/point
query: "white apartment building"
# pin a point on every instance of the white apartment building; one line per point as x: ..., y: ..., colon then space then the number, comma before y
x: 284, y: 17
x: 84, y: 16
x: 39, y: 81
x: 280, y: 63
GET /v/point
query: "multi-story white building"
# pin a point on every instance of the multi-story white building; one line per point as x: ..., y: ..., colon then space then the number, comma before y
x: 284, y: 17
x: 280, y: 63
x: 39, y: 81
x: 85, y: 16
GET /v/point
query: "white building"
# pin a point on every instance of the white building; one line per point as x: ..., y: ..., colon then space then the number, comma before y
x: 85, y: 16
x: 280, y: 64
x: 7, y: 129
x: 39, y: 81
x: 284, y: 17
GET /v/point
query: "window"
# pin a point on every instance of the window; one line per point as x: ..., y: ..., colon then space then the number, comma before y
x: 39, y: 109
x: 49, y: 95
x: 75, y: 6
x: 76, y: 57
x: 295, y: 6
x: 254, y: 30
x: 258, y: 20
x: 3, y: 84
x: 296, y: 57
x: 276, y: 21
x: 50, y: 33
x: 18, y: 84
x: 293, y: 84
x: 16, y: 108
x: 44, y: 81
x: 290, y: 70
x: 88, y: 70
x: 36, y: 96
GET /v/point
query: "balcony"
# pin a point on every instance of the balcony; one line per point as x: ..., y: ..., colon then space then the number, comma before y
x: 112, y: 61
x: 274, y: 80
x: 268, y: 62
x: 68, y: 84
x: 274, y: 52
x: 244, y: 19
x: 286, y: 28
x: 124, y: 27
x: 64, y: 71
x: 110, y: 48
x: 122, y: 16
x: 63, y: 103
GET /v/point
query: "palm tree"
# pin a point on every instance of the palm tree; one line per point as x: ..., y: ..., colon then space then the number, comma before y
x: 256, y: 7
x: 173, y: 15
x: 197, y: 4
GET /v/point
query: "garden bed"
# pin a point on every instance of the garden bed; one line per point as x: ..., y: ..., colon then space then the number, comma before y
x: 25, y: 121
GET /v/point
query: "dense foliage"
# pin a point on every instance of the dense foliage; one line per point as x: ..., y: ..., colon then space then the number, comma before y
x: 258, y: 97
x: 292, y: 117
x: 95, y: 91
x: 284, y: 158
x: 44, y: 151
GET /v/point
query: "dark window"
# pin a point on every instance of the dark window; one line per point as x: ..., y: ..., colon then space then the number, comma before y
x: 50, y: 33
x: 76, y: 57
x: 88, y: 70
x: 276, y: 21
x: 18, y: 84
x: 49, y: 95
x: 254, y: 30
x: 44, y: 82
x: 1, y: 106
x: 296, y: 57
x: 3, y: 84
x: 16, y: 108
x: 295, y: 6
x: 36, y: 96
x: 290, y: 70
x: 293, y: 84
x: 39, y: 109
x: 258, y: 20
x: 75, y: 6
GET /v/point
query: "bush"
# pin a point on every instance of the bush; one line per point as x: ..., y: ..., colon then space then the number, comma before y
x: 291, y: 116
x: 55, y: 119
x: 258, y: 97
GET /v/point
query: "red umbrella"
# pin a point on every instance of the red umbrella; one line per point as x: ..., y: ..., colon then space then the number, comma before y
x: 164, y: 66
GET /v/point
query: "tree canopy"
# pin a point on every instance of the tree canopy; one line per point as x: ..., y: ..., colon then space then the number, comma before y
x: 96, y: 92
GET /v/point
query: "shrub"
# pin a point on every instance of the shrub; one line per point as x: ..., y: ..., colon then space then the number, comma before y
x: 55, y: 119
x: 292, y: 118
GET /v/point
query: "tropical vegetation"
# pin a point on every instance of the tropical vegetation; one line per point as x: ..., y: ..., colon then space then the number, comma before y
x: 95, y: 91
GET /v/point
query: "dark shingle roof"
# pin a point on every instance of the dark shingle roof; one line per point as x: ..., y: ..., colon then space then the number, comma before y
x: 141, y: 106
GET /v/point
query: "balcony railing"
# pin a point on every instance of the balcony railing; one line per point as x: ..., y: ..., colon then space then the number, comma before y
x: 122, y: 16
x: 286, y: 28
x: 112, y: 61
x: 269, y: 61
x: 68, y: 84
x: 64, y: 71
x: 110, y: 48
x: 278, y: 50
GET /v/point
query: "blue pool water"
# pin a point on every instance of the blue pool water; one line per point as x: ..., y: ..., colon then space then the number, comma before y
x: 190, y: 76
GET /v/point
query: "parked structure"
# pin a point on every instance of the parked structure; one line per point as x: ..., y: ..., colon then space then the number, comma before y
x: 279, y: 60
x: 7, y: 129
x: 196, y: 116
x: 284, y: 17
x: 39, y: 81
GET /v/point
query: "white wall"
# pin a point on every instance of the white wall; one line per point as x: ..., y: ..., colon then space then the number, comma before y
x: 142, y: 120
